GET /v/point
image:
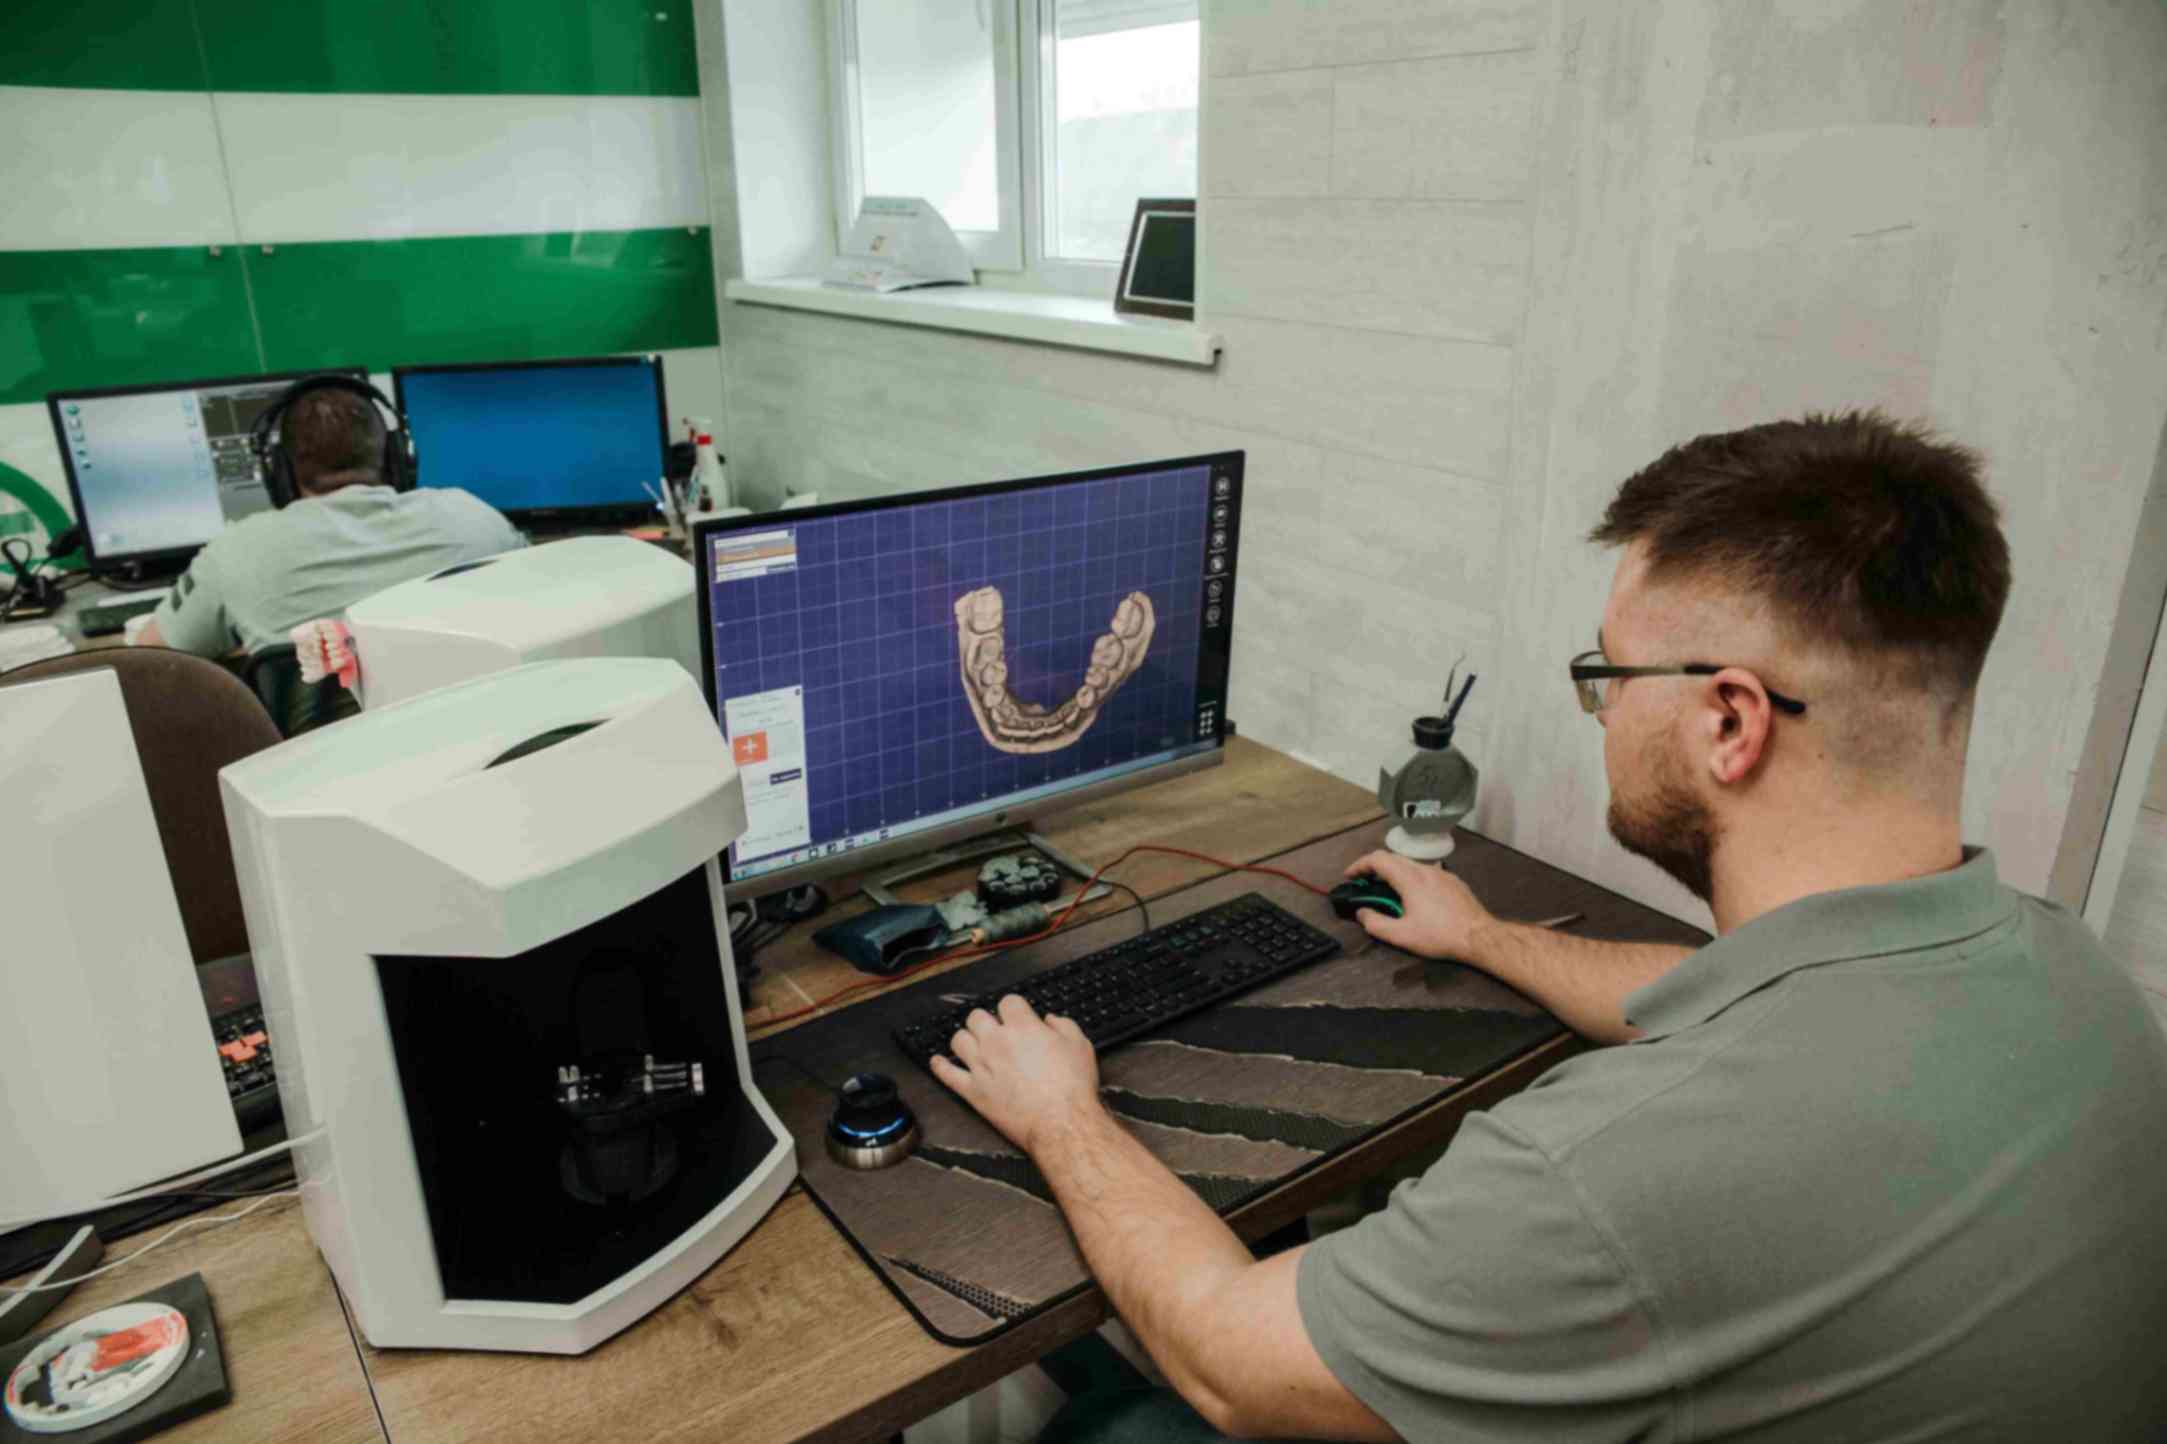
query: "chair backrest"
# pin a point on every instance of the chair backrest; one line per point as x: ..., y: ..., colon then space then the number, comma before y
x: 274, y: 675
x: 190, y: 717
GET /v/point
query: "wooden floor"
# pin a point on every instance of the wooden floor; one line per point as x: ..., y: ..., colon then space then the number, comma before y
x: 2137, y: 930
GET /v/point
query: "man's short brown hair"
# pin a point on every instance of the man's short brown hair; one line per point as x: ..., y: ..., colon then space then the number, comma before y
x: 327, y: 433
x: 1855, y: 529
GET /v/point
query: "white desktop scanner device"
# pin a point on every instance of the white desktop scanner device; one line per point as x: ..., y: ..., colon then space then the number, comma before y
x: 489, y: 932
x: 595, y: 596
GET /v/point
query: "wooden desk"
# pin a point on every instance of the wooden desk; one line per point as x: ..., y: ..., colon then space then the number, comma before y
x: 69, y: 619
x: 290, y: 1357
x: 791, y: 1336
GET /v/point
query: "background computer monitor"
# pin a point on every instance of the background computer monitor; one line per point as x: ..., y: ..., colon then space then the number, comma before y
x: 157, y: 471
x: 575, y: 440
x: 834, y: 655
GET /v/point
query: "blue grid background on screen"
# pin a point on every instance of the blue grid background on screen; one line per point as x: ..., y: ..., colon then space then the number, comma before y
x: 866, y: 625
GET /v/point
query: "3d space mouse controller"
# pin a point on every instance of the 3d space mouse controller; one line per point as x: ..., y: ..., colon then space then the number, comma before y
x: 872, y: 1127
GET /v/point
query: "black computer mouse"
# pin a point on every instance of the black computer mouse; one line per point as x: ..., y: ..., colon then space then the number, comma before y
x: 871, y: 1127
x: 1366, y: 890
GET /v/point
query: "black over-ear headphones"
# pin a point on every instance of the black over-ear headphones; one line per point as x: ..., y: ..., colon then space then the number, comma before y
x: 266, y: 438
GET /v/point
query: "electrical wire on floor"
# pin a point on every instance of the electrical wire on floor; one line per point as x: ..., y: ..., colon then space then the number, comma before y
x: 199, y: 1221
x: 1059, y: 922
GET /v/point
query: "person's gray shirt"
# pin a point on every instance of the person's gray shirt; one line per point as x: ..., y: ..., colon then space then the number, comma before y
x: 1887, y: 1163
x: 261, y: 577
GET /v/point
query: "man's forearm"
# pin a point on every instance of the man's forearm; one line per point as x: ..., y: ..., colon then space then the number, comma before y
x: 1585, y: 981
x: 1133, y: 1219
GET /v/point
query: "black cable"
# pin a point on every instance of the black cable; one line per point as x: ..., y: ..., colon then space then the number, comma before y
x: 1142, y: 911
x: 786, y: 1058
x: 34, y: 1245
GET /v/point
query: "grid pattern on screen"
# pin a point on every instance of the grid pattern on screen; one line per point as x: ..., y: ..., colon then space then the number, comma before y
x: 865, y: 624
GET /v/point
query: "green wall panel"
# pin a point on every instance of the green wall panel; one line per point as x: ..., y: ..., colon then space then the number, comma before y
x: 116, y: 318
x: 483, y: 298
x: 390, y: 47
x: 453, y: 47
x: 109, y: 44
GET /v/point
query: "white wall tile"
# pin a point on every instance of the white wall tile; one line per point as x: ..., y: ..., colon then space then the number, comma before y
x: 1427, y: 533
x: 98, y: 169
x: 1459, y: 128
x: 1430, y: 268
x: 1247, y: 36
x: 1409, y: 29
x: 1268, y: 135
x: 345, y: 167
x: 1798, y: 68
x: 1417, y: 399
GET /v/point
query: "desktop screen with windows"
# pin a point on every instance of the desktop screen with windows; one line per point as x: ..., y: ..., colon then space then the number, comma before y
x: 540, y: 437
x: 888, y: 667
x: 161, y: 470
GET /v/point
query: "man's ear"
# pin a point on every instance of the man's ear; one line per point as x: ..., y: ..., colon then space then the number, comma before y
x: 1737, y: 716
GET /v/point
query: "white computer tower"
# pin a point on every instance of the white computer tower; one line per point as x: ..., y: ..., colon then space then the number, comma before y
x: 595, y: 596
x: 489, y: 931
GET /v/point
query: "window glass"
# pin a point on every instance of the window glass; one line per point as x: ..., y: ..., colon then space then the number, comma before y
x: 1123, y: 118
x: 926, y: 106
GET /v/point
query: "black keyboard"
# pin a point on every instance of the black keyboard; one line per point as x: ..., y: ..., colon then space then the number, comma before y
x: 103, y: 621
x: 1131, y: 988
x: 245, y: 1048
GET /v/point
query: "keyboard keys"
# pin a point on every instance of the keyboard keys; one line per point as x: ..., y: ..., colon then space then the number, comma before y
x: 1129, y: 989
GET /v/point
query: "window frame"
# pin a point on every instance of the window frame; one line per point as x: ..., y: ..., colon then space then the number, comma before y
x: 997, y: 250
x: 1027, y: 109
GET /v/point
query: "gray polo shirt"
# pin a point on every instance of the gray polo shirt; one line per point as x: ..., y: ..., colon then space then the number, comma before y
x: 1888, y: 1163
x: 270, y: 572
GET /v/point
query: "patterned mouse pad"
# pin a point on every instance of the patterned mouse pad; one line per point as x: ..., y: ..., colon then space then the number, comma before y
x: 1235, y: 1100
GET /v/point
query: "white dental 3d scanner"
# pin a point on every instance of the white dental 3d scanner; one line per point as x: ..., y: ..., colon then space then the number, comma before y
x: 593, y: 596
x: 489, y: 931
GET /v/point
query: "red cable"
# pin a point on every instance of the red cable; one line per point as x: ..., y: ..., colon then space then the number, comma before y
x: 1058, y: 923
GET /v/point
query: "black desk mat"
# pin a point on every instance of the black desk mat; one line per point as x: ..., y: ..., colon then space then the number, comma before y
x: 1235, y: 1100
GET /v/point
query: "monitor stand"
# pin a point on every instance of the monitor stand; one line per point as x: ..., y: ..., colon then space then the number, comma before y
x: 1008, y: 839
x: 135, y: 576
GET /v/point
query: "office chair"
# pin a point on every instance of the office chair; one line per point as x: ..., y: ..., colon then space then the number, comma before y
x: 274, y: 675
x: 189, y: 717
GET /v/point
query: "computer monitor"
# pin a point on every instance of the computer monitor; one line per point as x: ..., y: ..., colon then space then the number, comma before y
x: 157, y: 471
x: 902, y: 672
x: 574, y: 441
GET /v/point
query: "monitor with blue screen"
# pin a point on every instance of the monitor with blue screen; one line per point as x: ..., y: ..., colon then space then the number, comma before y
x: 901, y: 672
x: 574, y: 440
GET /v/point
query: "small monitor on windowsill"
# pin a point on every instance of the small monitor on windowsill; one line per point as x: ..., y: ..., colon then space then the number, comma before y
x: 1158, y: 274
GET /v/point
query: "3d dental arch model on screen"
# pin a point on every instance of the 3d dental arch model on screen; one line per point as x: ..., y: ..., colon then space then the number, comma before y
x: 1013, y: 725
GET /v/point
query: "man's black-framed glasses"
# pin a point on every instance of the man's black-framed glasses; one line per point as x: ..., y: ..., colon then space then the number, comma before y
x: 1591, y: 670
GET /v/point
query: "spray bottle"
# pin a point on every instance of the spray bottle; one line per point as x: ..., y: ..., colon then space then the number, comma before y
x: 710, y: 484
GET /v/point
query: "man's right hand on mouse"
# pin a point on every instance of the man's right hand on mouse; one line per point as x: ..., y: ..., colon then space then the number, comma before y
x: 1443, y: 913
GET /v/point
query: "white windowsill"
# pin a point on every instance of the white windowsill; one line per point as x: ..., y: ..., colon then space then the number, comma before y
x: 1017, y: 315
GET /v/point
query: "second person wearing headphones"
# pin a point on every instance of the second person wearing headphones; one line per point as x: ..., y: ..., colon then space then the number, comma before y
x: 346, y: 523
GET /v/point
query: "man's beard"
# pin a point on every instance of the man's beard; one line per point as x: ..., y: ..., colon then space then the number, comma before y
x: 1670, y: 827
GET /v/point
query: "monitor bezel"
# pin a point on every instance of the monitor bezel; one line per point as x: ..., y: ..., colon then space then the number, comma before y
x: 1230, y: 464
x: 55, y: 399
x: 609, y: 513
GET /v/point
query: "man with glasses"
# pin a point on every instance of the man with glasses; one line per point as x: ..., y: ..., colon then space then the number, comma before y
x: 1886, y: 1160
